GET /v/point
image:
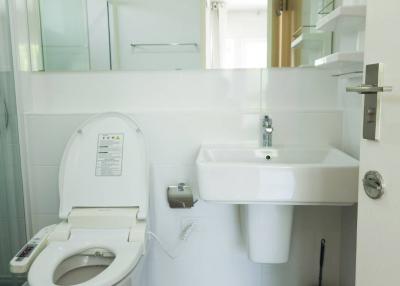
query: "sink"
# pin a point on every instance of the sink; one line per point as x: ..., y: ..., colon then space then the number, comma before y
x: 267, y: 184
x: 286, y: 175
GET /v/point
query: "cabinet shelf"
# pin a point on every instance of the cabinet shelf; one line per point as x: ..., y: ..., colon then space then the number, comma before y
x: 344, y: 18
x: 308, y: 41
x: 342, y: 62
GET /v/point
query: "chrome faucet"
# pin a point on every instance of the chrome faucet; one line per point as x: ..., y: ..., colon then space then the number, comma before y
x: 267, y: 130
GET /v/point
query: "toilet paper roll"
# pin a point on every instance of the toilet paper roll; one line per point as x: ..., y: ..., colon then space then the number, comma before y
x: 180, y: 196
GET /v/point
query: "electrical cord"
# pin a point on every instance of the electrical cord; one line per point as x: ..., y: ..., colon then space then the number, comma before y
x: 184, y: 236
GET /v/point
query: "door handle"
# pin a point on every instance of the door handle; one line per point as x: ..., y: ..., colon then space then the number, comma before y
x: 368, y: 89
x: 371, y: 89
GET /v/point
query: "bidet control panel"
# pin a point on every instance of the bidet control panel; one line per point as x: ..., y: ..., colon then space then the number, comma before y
x: 26, y: 251
x: 24, y: 258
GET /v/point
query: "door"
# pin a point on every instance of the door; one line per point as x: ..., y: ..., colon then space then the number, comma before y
x: 12, y: 220
x: 378, y: 242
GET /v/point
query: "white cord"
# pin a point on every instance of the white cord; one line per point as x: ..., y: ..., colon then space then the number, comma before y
x: 163, y: 247
x: 187, y: 231
x: 185, y: 234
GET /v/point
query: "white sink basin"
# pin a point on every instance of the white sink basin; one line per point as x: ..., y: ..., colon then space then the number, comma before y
x: 280, y: 175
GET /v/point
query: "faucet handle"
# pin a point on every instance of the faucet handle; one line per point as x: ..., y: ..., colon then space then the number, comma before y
x: 267, y: 122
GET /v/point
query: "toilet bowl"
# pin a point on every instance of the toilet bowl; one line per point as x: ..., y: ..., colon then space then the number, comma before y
x: 103, y: 188
x: 88, y: 260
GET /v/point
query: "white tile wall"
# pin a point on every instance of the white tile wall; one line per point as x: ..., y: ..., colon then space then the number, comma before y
x: 299, y: 89
x: 179, y: 111
x: 311, y: 128
x: 48, y: 135
x: 213, y: 250
x: 45, y: 200
x: 39, y: 221
x: 352, y: 116
x: 129, y: 91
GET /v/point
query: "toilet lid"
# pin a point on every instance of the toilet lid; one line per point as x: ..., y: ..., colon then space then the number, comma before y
x: 127, y: 255
x: 104, y: 165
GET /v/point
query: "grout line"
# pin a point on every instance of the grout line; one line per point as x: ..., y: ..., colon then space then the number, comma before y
x: 170, y: 111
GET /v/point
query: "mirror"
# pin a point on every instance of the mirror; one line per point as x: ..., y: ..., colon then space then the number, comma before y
x: 100, y: 35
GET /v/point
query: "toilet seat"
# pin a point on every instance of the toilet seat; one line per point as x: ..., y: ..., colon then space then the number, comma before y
x: 103, y: 187
x: 127, y: 255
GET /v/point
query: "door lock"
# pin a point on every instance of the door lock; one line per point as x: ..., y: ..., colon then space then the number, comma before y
x: 373, y: 184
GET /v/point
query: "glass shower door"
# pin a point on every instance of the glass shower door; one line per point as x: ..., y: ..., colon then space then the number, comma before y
x: 12, y: 219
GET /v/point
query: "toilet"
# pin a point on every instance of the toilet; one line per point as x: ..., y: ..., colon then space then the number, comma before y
x: 103, y: 187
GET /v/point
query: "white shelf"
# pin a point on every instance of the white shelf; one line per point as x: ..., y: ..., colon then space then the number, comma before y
x: 342, y: 62
x: 308, y: 40
x: 344, y: 18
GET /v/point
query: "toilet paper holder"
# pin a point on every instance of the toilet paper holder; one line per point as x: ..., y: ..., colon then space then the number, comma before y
x: 180, y: 196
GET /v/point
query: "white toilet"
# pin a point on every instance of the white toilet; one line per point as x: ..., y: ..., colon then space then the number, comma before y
x: 103, y: 185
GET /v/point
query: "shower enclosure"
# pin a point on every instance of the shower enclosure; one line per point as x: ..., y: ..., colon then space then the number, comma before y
x: 12, y: 220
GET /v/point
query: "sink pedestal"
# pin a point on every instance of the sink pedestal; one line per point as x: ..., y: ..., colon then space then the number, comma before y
x: 267, y: 230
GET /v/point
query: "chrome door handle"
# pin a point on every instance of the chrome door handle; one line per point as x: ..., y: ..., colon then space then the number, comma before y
x: 368, y: 88
x: 6, y: 116
x: 371, y: 89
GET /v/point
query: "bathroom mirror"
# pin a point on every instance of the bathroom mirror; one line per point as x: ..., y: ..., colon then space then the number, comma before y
x: 101, y: 35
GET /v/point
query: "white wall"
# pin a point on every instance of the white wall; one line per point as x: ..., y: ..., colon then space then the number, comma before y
x: 352, y: 116
x: 179, y: 111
